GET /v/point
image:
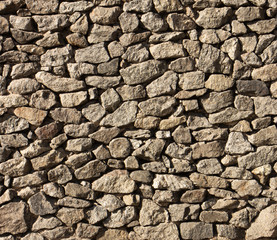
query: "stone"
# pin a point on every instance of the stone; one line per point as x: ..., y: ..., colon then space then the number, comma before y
x: 115, y: 49
x: 23, y: 86
x: 110, y: 99
x: 141, y: 176
x: 73, y: 202
x: 22, y: 23
x: 13, y: 140
x: 196, y: 230
x: 103, y: 82
x: 32, y: 179
x: 120, y: 147
x: 171, y: 122
x: 105, y: 135
x: 213, y: 17
x: 60, y: 174
x: 265, y: 106
x: 78, y: 191
x: 181, y: 135
x: 11, y: 124
x: 105, y: 15
x: 78, y: 144
x: 113, y: 183
x: 43, y: 99
x: 96, y: 214
x: 192, y: 80
x: 151, y: 150
x: 136, y: 53
x: 261, y: 123
x: 47, y: 131
x: 263, y: 26
x: 24, y: 37
x: 73, y: 99
x: 77, y: 160
x: 162, y: 231
x: 66, y: 115
x: 111, y: 234
x: 132, y: 38
x: 167, y: 6
x: 238, y: 144
x: 153, y: 22
x: 213, y: 216
x: 210, y: 134
x: 265, y: 73
x: 53, y: 190
x: 42, y: 7
x: 243, y: 103
x: 40, y: 205
x: 164, y: 37
x: 94, y: 113
x: 127, y: 92
x: 167, y: 50
x: 247, y: 14
x: 15, y: 167
x: 58, y: 84
x: 228, y: 115
x: 80, y: 26
x: 208, y: 150
x: 95, y: 53
x: 235, y: 172
x: 4, y: 23
x: 46, y: 223
x: 14, y: 57
x: 209, y: 166
x: 263, y: 43
x: 128, y: 22
x: 264, y: 221
x: 262, y: 156
x: 109, y: 68
x: 102, y: 33
x: 110, y: 202
x: 77, y: 39
x: 238, y: 28
x: 122, y: 116
x: 181, y: 65
x: 171, y: 182
x: 76, y: 70
x: 266, y: 136
x: 178, y: 151
x: 84, y: 230
x: 211, y: 36
x: 53, y: 22
x: 216, y: 101
x: 204, y: 181
x: 12, y: 100
x: 70, y: 216
x: 138, y: 6
x: 58, y: 232
x: 78, y: 6
x: 48, y: 159
x: 32, y: 115
x: 142, y: 72
x: 22, y: 70
x: 195, y: 122
x: 246, y: 187
x: 193, y: 196
x: 82, y: 130
x: 56, y: 57
x: 213, y: 60
x: 90, y: 170
x: 13, y: 218
x: 180, y: 22
x: 120, y: 217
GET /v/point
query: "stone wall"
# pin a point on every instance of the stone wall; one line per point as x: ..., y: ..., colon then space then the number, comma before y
x: 138, y: 119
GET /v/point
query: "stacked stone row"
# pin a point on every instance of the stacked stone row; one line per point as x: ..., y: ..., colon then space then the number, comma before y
x: 138, y: 120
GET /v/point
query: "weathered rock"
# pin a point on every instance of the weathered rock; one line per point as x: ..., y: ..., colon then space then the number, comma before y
x: 252, y: 87
x: 142, y: 72
x: 171, y: 182
x: 80, y: 26
x: 132, y: 38
x: 151, y: 150
x: 196, y: 230
x: 246, y: 187
x: 42, y: 7
x: 60, y: 174
x: 128, y: 22
x: 263, y: 26
x: 11, y: 124
x: 114, y: 183
x: 23, y: 86
x: 14, y: 57
x: 53, y: 22
x: 70, y: 216
x: 13, y: 218
x: 32, y: 179
x: 96, y: 214
x: 110, y: 202
x: 202, y: 180
x: 213, y: 216
x: 162, y: 231
x: 266, y: 136
x: 105, y: 135
x: 104, y: 15
x: 138, y: 6
x: 210, y: 149
x: 73, y: 202
x: 15, y: 167
x: 213, y: 17
x: 90, y: 170
x: 79, y: 144
x: 40, y: 205
x: 66, y: 115
x: 238, y: 144
x: 102, y: 33
x: 13, y: 140
x: 84, y: 230
x: 78, y: 6
x: 4, y: 23
x: 12, y: 100
x: 153, y: 22
x: 265, y: 106
x: 246, y: 14
x: 43, y: 99
x: 180, y: 22
x: 209, y: 166
x: 93, y: 54
x: 131, y: 92
x: 219, y: 82
x: 111, y: 234
x: 265, y: 73
x: 46, y: 223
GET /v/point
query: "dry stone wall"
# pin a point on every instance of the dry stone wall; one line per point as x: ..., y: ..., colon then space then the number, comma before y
x: 138, y: 119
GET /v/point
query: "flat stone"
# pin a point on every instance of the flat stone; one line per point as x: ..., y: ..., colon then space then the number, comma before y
x: 167, y: 50
x: 263, y: 26
x: 252, y: 87
x: 43, y: 99
x: 53, y: 22
x: 48, y: 131
x: 73, y: 202
x: 151, y: 150
x: 90, y: 170
x: 266, y: 136
x: 128, y: 22
x: 243, y: 217
x: 32, y: 179
x: 181, y: 135
x: 78, y: 191
x: 77, y: 160
x: 122, y: 116
x: 167, y: 6
x: 171, y: 182
x: 265, y: 73
x: 22, y: 70
x: 80, y: 26
x: 151, y: 69
x: 66, y: 115
x: 76, y: 70
x: 13, y: 100
x: 219, y: 82
x: 60, y: 174
x: 246, y: 187
x: 269, y: 55
x: 82, y: 130
x: 162, y: 231
x: 14, y: 57
x: 178, y: 151
x: 40, y: 205
x: 13, y: 218
x: 96, y: 53
x: 70, y: 216
x: 214, y: 17
x: 204, y: 181
x: 164, y: 37
x: 84, y: 230
x: 24, y: 37
x: 46, y: 223
x: 193, y: 196
x: 153, y: 22
x: 13, y: 140
x: 102, y: 33
x: 73, y: 99
x: 265, y: 106
x: 212, y: 36
x: 94, y: 113
x: 111, y: 202
x: 105, y: 15
x: 196, y: 230
x: 11, y: 124
x: 238, y: 144
x: 131, y: 92
x: 180, y: 22
x: 105, y: 135
x: 132, y: 38
x: 103, y: 82
x: 114, y: 183
x: 58, y: 84
x: 42, y: 7
x: 207, y: 150
x: 120, y: 217
x: 48, y: 160
x: 247, y: 14
x: 111, y: 234
x: 136, y: 53
x: 23, y: 86
x: 78, y: 144
x: 96, y: 214
x: 15, y: 167
x: 78, y: 6
x: 209, y: 166
x: 213, y: 216
x: 138, y: 6
x: 262, y: 156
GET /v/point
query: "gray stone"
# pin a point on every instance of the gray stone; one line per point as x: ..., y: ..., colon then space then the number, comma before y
x: 210, y: 134
x: 24, y: 37
x: 142, y: 72
x: 265, y: 106
x: 196, y: 230
x: 181, y: 65
x: 32, y: 179
x: 66, y: 115
x: 120, y: 217
x: 11, y: 124
x: 201, y: 180
x: 138, y: 6
x: 96, y: 53
x: 73, y: 202
x: 193, y: 196
x: 4, y: 23
x: 136, y: 53
x: 110, y: 99
x: 60, y: 174
x: 78, y: 6
x: 180, y: 22
x: 14, y: 57
x: 237, y: 173
x: 42, y: 7
x: 153, y: 22
x: 12, y: 100
x: 111, y: 202
x: 15, y: 167
x: 80, y: 26
x: 90, y: 170
x: 167, y: 50
x: 103, y: 82
x: 128, y: 22
x: 13, y: 140
x: 78, y: 191
x: 171, y: 182
x: 84, y: 230
x: 23, y: 86
x: 178, y: 151
x: 43, y: 99
x: 46, y: 223
x: 181, y: 135
x: 238, y: 144
x: 269, y: 55
x: 102, y: 33
x: 111, y: 234
x: 105, y: 135
x: 105, y: 15
x: 246, y: 187
x: 167, y: 6
x: 70, y: 216
x: 56, y: 57
x: 209, y: 166
x: 78, y: 144
x: 131, y: 92
x: 263, y: 26
x: 151, y: 150
x: 264, y: 42
x: 247, y: 14
x: 213, y: 216
x: 207, y: 150
x: 132, y: 38
x: 53, y: 190
x: 24, y: 70
x: 76, y: 70
x: 40, y: 205
x: 120, y: 147
x: 53, y: 22
x: 266, y: 136
x: 77, y: 160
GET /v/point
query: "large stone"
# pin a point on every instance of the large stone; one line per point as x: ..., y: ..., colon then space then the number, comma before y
x: 102, y: 33
x: 43, y: 99
x: 229, y: 115
x: 77, y: 6
x: 238, y: 144
x: 91, y: 170
x: 82, y: 130
x: 23, y: 86
x: 192, y: 80
x: 262, y: 156
x: 201, y: 180
x: 209, y: 166
x: 32, y: 179
x: 58, y: 84
x: 32, y: 115
x: 196, y: 230
x: 14, y: 57
x: 158, y: 106
x: 114, y: 182
x: 265, y: 73
x: 180, y: 22
x: 70, y: 216
x: 96, y: 214
x: 122, y: 116
x: 24, y: 70
x: 269, y: 55
x: 13, y: 140
x: 46, y: 223
x: 247, y: 14
x: 110, y: 202
x: 265, y: 106
x: 138, y: 6
x: 167, y: 6
x: 84, y: 230
x: 128, y: 22
x: 153, y: 22
x: 40, y: 205
x: 247, y: 187
x: 13, y: 218
x: 51, y: 22
x: 266, y: 136
x: 151, y: 150
x: 15, y: 167
x: 213, y: 216
x: 105, y: 15
x: 167, y: 50
x: 11, y: 124
x: 121, y: 217
x: 265, y: 224
x: 212, y: 60
x: 219, y: 82
x: 110, y: 99
x: 96, y: 53
x: 66, y: 115
x: 77, y: 70
x: 42, y: 7
x: 60, y: 174
x: 214, y: 17
x: 263, y: 26
x: 120, y: 147
x: 94, y: 113
x: 207, y: 150
x: 12, y: 100
x: 168, y: 231
x: 171, y: 182
x: 142, y: 72
x: 252, y: 87
x: 103, y: 82
x: 210, y: 134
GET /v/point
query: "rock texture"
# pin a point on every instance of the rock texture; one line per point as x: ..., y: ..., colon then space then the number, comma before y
x: 138, y: 119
